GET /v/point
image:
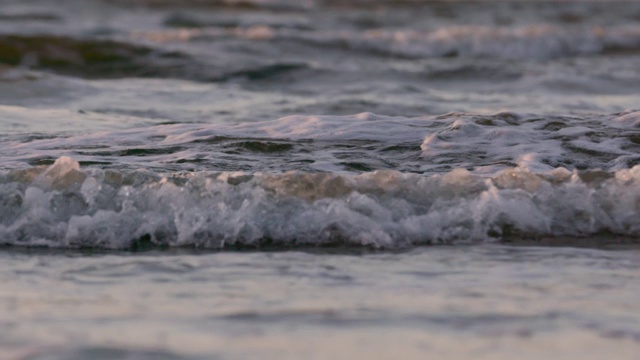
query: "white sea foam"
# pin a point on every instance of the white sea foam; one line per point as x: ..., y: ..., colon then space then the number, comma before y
x: 65, y: 206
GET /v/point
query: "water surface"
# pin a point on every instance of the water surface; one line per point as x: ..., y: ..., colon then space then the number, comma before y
x: 319, y: 179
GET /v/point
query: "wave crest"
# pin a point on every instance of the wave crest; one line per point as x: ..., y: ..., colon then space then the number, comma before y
x: 68, y: 207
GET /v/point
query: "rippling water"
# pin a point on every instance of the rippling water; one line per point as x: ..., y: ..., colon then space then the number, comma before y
x: 232, y: 179
x: 479, y: 301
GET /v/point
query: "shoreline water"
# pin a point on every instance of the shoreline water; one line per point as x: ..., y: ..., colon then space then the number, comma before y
x: 451, y: 300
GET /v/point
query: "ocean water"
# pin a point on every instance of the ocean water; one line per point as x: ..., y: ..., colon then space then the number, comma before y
x: 280, y: 179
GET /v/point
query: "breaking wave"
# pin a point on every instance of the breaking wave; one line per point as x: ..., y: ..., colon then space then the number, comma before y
x: 65, y: 206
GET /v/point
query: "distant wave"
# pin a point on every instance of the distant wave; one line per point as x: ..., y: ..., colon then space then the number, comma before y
x: 120, y: 58
x: 517, y: 43
x: 105, y: 59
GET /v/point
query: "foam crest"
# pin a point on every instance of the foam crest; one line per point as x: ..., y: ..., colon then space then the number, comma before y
x: 69, y: 207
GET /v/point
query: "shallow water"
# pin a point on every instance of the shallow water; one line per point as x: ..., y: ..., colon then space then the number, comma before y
x: 462, y: 302
x: 285, y: 179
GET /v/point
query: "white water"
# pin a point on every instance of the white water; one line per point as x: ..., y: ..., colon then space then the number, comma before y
x: 64, y: 206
